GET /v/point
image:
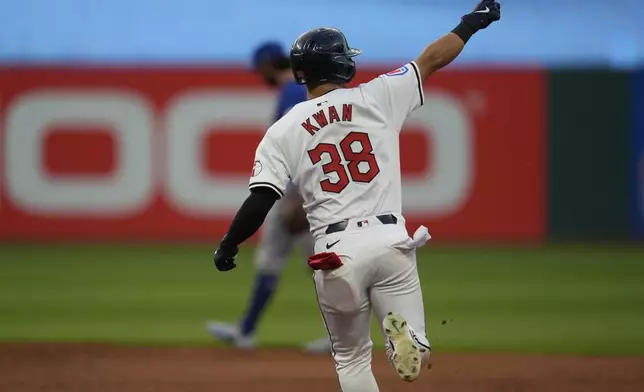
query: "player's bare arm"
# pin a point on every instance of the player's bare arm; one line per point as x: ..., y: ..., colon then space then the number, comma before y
x: 444, y: 50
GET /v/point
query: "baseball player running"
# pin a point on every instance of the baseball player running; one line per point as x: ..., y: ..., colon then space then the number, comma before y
x: 341, y: 149
x: 285, y: 225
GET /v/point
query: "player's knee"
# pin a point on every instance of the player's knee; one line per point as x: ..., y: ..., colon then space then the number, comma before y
x: 268, y: 270
x: 268, y: 264
x: 354, y: 361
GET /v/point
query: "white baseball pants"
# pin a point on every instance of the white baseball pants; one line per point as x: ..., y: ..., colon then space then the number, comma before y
x: 379, y: 274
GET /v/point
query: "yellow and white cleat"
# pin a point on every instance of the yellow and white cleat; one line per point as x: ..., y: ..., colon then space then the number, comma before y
x: 406, y: 356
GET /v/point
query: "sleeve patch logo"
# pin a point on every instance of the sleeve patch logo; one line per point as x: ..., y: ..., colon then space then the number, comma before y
x: 257, y: 168
x: 398, y: 72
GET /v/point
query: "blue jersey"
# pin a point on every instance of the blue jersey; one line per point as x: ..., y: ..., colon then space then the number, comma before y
x: 290, y: 95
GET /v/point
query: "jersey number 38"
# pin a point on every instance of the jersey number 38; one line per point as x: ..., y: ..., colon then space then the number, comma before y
x: 352, y: 158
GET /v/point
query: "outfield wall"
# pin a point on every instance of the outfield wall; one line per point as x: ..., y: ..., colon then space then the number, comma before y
x: 637, y: 157
x: 157, y: 153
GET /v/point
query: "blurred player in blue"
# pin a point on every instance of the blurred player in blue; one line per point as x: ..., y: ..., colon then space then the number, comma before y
x: 285, y: 225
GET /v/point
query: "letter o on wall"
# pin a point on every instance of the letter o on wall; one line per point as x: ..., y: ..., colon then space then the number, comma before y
x: 127, y: 189
x: 189, y: 118
x: 446, y: 189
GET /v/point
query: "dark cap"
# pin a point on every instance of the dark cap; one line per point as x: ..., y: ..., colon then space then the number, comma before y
x: 268, y: 51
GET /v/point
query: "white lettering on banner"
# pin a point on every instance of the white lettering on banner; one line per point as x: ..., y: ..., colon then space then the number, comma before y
x: 448, y: 186
x: 187, y: 184
x: 189, y: 118
x: 127, y: 116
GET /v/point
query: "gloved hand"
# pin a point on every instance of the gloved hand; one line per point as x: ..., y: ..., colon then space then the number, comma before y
x: 225, y: 258
x: 486, y: 12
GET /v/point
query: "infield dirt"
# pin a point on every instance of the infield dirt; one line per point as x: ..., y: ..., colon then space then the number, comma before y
x: 111, y: 368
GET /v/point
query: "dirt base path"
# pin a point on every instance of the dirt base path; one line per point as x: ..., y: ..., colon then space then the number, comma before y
x: 107, y: 368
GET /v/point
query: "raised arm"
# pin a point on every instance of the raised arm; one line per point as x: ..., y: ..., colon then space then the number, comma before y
x: 445, y: 49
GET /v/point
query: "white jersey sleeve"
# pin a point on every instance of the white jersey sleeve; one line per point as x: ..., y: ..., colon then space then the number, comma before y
x: 271, y: 168
x: 396, y: 93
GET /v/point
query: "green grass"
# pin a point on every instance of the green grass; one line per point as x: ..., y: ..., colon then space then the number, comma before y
x: 563, y: 299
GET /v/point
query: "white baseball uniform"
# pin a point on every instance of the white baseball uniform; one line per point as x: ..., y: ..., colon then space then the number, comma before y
x: 341, y: 150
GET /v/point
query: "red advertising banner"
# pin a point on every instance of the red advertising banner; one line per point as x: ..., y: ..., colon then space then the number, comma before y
x: 165, y: 154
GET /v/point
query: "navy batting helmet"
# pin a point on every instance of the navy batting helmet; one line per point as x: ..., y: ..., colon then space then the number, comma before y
x: 322, y: 55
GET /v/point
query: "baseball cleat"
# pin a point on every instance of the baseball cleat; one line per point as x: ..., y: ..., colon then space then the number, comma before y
x: 406, y: 355
x: 229, y: 333
x: 319, y: 346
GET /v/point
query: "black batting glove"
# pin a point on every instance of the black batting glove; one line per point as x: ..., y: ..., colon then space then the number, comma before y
x: 485, y: 13
x: 225, y: 261
x: 225, y: 256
